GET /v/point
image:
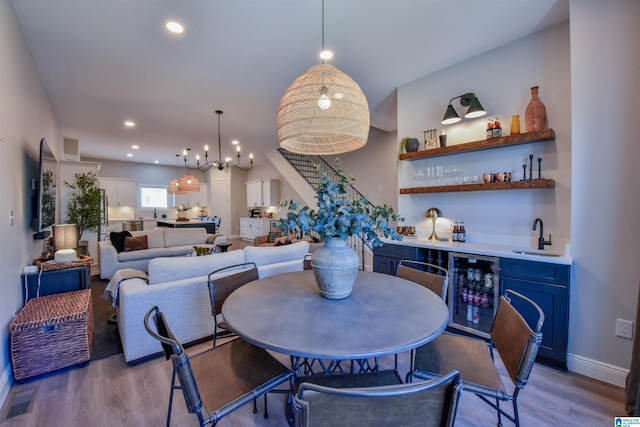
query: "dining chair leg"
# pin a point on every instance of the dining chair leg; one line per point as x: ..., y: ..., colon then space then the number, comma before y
x: 173, y: 387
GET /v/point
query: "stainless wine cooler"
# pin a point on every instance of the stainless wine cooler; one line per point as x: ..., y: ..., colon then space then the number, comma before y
x: 474, y: 292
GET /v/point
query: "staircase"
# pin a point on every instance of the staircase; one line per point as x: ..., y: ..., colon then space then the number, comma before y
x: 304, y: 165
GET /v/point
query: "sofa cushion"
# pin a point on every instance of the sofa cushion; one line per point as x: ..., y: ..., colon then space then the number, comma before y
x: 143, y: 255
x: 117, y: 239
x: 170, y: 269
x: 155, y: 238
x: 262, y: 255
x: 136, y: 243
x: 184, y: 236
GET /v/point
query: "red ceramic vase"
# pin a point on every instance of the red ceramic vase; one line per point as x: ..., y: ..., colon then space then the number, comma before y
x: 535, y: 115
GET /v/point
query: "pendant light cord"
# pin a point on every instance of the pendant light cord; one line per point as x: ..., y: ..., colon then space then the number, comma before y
x: 323, y: 29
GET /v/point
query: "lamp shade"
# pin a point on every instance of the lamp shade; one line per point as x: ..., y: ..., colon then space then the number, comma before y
x: 189, y: 183
x: 475, y: 109
x: 174, y: 187
x: 323, y: 112
x: 450, y: 116
x: 65, y: 236
x: 65, y: 240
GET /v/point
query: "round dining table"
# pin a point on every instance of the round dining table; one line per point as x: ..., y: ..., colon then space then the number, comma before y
x: 384, y: 315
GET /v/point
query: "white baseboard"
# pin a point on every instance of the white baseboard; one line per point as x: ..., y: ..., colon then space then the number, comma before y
x: 595, y: 369
x: 5, y: 384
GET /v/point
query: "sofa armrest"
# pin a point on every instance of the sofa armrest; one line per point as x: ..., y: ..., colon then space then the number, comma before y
x: 258, y: 240
x: 108, y: 259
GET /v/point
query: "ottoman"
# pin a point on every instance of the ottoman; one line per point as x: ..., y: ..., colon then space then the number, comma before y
x: 51, y: 332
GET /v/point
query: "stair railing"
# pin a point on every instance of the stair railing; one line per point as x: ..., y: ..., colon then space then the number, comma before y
x: 304, y: 164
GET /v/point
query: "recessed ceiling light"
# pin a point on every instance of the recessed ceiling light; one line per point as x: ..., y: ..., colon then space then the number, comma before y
x: 129, y: 155
x: 174, y: 27
x: 326, y: 54
x: 135, y: 147
x: 129, y: 124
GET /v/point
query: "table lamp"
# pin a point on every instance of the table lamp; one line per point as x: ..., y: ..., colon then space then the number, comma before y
x: 433, y: 213
x: 65, y: 242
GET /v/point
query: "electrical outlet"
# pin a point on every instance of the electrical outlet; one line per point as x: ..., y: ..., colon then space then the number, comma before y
x: 624, y: 328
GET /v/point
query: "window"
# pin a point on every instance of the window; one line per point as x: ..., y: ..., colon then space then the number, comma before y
x: 153, y: 197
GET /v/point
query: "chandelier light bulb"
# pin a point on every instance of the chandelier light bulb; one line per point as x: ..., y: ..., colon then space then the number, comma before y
x: 206, y: 148
x: 251, y: 156
x: 235, y: 142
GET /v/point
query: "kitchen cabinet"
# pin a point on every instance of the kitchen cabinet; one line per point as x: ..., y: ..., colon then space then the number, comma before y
x: 486, y: 144
x: 547, y: 285
x: 387, y: 257
x: 253, y: 227
x: 119, y: 192
x: 193, y: 199
x: 270, y: 192
x: 263, y: 192
x: 254, y: 193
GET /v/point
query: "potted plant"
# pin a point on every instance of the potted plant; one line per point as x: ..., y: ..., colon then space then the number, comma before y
x: 182, y: 212
x: 335, y: 265
x: 83, y: 208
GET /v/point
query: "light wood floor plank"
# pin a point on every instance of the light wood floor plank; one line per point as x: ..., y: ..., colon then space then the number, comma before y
x: 109, y: 392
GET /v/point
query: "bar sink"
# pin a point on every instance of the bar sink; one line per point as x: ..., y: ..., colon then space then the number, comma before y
x: 528, y: 251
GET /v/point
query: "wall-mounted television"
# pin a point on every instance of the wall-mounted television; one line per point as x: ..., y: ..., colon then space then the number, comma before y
x: 44, y: 211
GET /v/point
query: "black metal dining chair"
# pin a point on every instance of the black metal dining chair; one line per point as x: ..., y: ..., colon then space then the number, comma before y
x: 221, y: 287
x: 218, y: 380
x: 516, y: 342
x: 376, y: 399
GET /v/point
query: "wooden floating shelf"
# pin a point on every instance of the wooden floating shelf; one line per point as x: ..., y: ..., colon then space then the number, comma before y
x: 504, y: 141
x: 512, y: 185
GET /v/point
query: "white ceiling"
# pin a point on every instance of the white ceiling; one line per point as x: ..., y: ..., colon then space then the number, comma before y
x: 106, y: 61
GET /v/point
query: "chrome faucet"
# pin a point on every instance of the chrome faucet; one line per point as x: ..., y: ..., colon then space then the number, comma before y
x: 541, y: 241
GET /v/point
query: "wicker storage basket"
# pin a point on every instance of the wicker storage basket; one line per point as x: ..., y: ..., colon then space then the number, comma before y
x: 51, y: 332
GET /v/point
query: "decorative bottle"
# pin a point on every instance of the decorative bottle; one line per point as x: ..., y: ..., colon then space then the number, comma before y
x: 535, y: 116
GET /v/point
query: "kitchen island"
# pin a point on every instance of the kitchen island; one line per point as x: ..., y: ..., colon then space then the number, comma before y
x: 191, y: 223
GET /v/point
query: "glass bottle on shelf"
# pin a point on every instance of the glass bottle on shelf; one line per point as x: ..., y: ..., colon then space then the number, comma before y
x: 497, y: 129
x: 462, y: 233
x: 490, y: 129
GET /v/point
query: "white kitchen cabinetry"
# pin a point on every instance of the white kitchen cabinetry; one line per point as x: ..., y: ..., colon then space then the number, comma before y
x: 253, y: 227
x: 262, y: 192
x: 193, y: 199
x: 254, y: 193
x: 119, y: 192
x: 270, y: 192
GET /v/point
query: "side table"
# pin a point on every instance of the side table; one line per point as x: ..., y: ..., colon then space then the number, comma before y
x: 224, y: 246
x: 54, y: 281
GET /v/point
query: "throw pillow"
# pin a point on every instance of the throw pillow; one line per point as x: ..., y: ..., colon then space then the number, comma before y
x: 135, y: 243
x: 273, y: 235
x: 117, y: 239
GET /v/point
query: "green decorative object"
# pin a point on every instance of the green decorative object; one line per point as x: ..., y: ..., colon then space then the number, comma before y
x: 338, y: 217
x: 84, y: 206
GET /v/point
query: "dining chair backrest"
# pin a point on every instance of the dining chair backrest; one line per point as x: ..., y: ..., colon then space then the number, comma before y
x: 435, y: 282
x: 429, y: 403
x: 173, y: 350
x: 221, y: 287
x: 516, y: 343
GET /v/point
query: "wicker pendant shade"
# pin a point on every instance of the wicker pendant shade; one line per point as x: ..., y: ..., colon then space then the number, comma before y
x: 174, y: 187
x: 189, y: 183
x: 323, y: 112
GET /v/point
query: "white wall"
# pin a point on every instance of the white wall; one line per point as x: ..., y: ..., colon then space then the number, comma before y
x: 501, y: 79
x: 25, y: 117
x: 605, y: 64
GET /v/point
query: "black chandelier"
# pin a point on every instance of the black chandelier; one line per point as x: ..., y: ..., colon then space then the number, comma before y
x: 220, y: 164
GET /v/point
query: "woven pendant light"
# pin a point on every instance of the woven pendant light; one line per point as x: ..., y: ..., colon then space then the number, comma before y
x: 323, y: 112
x: 189, y: 183
x: 174, y: 185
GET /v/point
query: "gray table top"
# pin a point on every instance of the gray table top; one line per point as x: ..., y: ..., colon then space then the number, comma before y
x: 384, y: 315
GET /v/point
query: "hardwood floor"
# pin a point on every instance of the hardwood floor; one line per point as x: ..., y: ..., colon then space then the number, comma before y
x: 109, y: 392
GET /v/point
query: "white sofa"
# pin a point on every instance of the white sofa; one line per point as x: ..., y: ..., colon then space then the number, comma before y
x: 178, y: 286
x: 165, y: 242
